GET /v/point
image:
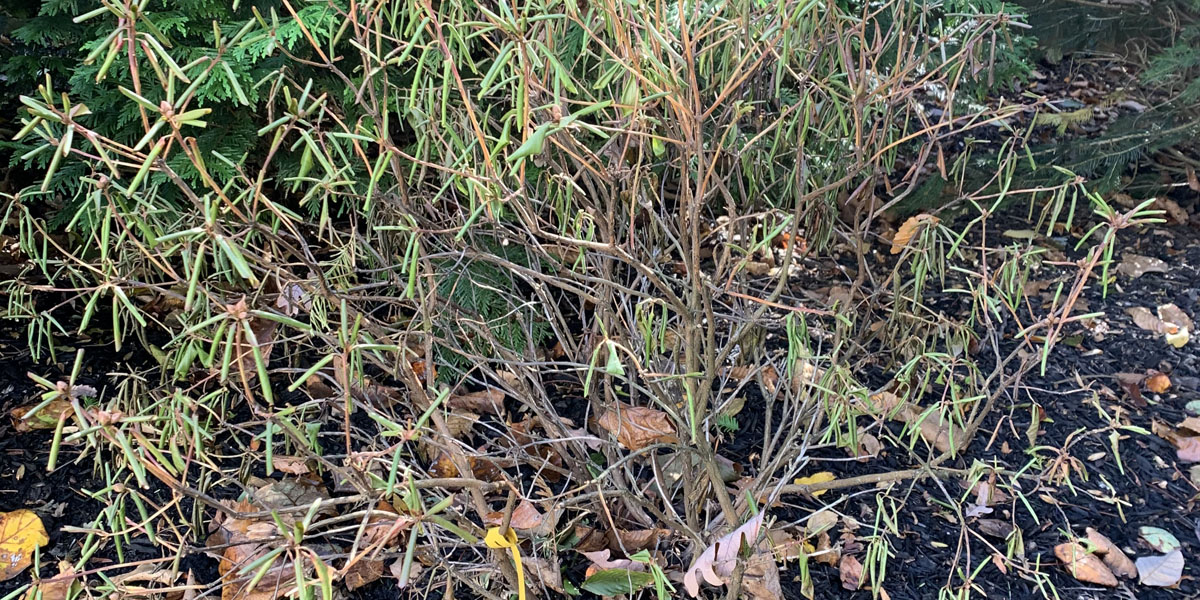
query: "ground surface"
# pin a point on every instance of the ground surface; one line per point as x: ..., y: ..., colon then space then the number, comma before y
x: 1079, y: 395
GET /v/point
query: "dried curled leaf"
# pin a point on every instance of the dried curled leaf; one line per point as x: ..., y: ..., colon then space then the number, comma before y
x: 850, y: 571
x: 717, y: 561
x: 1084, y: 566
x: 1112, y: 555
x: 637, y: 426
x: 909, y: 229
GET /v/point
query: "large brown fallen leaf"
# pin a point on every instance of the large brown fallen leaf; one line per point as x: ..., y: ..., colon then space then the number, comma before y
x: 636, y: 427
x: 363, y: 572
x: 545, y: 572
x: 1136, y: 265
x: 1170, y: 321
x: 938, y: 432
x: 490, y: 401
x: 760, y: 580
x: 1084, y: 566
x: 909, y: 228
x: 239, y: 543
x: 47, y: 418
x: 21, y: 532
x: 1116, y: 560
x: 717, y: 561
x: 850, y: 571
x: 1161, y: 571
x: 54, y: 588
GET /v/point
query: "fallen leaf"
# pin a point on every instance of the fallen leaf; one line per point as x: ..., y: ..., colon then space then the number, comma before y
x: 637, y: 426
x: 760, y: 580
x: 1159, y: 539
x: 850, y: 571
x: 291, y: 493
x: 602, y: 561
x: 489, y: 401
x: 1157, y: 382
x: 21, y: 532
x: 545, y: 572
x: 1136, y: 265
x: 385, y: 525
x: 820, y: 522
x: 1142, y: 317
x: 1084, y: 566
x: 995, y: 528
x: 1172, y: 208
x: 815, y: 478
x: 640, y: 539
x: 1116, y: 560
x: 909, y: 228
x: 47, y: 418
x: 717, y: 561
x: 525, y: 517
x: 935, y: 430
x: 54, y: 588
x: 1177, y: 323
x: 1161, y: 571
x: 293, y: 465
x: 363, y: 572
x: 616, y: 582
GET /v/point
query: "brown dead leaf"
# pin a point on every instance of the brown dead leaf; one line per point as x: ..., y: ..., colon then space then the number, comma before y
x: 640, y: 539
x: 1113, y: 557
x: 1084, y: 566
x: 1188, y: 449
x: 47, y: 418
x: 1143, y: 318
x: 1175, y: 212
x: 760, y: 579
x: 244, y: 346
x: 383, y: 530
x: 1136, y: 265
x: 938, y: 432
x: 995, y: 528
x: 850, y: 571
x: 54, y: 588
x: 363, y: 572
x: 490, y: 401
x: 636, y: 427
x: 545, y: 572
x: 1157, y: 382
x: 1193, y: 181
x: 21, y: 532
x: 291, y: 492
x: 909, y: 228
x: 293, y: 465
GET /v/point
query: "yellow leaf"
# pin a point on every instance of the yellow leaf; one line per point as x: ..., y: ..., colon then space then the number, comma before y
x: 908, y: 229
x: 495, y: 539
x: 21, y: 532
x: 822, y: 477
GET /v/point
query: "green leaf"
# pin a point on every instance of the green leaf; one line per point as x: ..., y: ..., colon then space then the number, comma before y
x: 616, y: 582
x: 1159, y: 539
